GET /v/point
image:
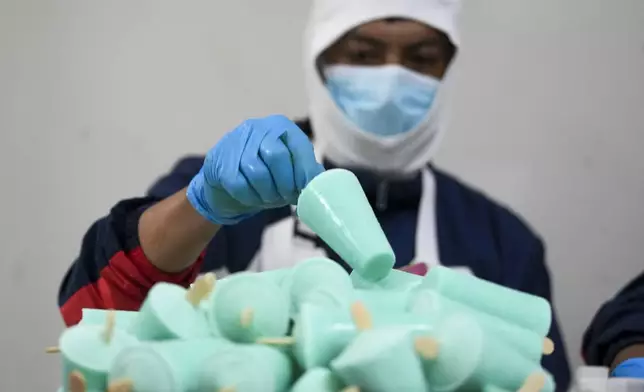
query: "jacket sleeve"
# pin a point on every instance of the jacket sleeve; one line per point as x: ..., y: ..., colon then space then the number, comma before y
x: 111, y: 271
x: 619, y: 323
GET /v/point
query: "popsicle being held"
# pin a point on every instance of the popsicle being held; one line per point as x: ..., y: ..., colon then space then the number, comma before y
x: 335, y: 207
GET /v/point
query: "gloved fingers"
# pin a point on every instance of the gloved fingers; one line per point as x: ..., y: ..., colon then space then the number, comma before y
x: 305, y: 167
x: 631, y: 368
x: 254, y: 169
x: 228, y: 171
x: 278, y: 160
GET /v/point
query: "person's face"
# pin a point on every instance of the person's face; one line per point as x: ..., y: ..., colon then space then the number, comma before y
x: 404, y: 42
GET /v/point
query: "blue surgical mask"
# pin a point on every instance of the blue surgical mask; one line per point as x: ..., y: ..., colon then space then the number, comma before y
x: 384, y: 100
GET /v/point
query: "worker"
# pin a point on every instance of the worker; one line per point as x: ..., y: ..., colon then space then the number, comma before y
x: 375, y: 75
x: 615, y: 338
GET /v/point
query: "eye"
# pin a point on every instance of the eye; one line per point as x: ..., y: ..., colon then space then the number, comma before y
x: 361, y: 56
x: 424, y: 59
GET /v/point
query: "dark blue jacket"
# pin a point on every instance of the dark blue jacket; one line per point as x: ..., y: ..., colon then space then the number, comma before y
x: 112, y: 271
x: 619, y: 323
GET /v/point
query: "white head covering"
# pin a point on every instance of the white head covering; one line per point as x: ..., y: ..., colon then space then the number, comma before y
x: 336, y: 137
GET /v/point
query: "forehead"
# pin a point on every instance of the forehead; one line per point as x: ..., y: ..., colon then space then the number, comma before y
x: 395, y: 30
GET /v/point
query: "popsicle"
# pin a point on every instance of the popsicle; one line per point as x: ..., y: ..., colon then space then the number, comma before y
x: 493, y: 388
x: 246, y: 368
x: 321, y: 334
x: 170, y: 365
x: 335, y: 207
x: 123, y: 318
x: 321, y: 281
x: 381, y: 360
x: 172, y: 312
x: 470, y: 358
x: 281, y: 277
x: 452, y: 353
x: 430, y: 304
x: 396, y: 301
x: 317, y: 380
x: 396, y: 280
x: 248, y: 307
x: 88, y: 350
x: 528, y: 311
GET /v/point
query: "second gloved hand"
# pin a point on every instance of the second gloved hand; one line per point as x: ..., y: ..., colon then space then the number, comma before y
x: 631, y: 368
x: 263, y: 163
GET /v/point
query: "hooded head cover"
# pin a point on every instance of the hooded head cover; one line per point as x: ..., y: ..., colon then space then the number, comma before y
x: 336, y: 137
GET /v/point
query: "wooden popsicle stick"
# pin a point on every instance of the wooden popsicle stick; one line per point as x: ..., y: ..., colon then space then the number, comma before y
x: 227, y: 389
x: 352, y: 388
x: 278, y: 341
x: 52, y: 350
x: 548, y: 346
x: 199, y: 290
x: 534, y: 382
x: 77, y: 382
x: 427, y: 347
x: 211, y: 279
x: 246, y: 318
x: 110, y: 323
x: 123, y: 385
x: 361, y: 316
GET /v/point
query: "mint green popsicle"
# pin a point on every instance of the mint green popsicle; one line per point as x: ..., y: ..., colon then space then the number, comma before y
x: 381, y: 360
x: 396, y: 280
x: 505, y: 367
x: 335, y: 207
x: 206, y: 303
x: 528, y: 311
x: 317, y: 380
x: 170, y: 365
x: 280, y: 277
x: 494, y: 388
x: 321, y: 281
x: 167, y: 314
x: 385, y: 300
x: 85, y: 348
x: 246, y: 368
x: 248, y: 307
x: 321, y: 334
x: 460, y: 351
x: 433, y: 306
x: 99, y: 316
x: 470, y: 357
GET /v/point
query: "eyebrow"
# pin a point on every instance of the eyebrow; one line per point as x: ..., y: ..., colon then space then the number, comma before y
x: 368, y: 40
x: 433, y: 41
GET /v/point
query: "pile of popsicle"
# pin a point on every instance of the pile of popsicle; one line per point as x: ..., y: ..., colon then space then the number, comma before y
x: 317, y: 328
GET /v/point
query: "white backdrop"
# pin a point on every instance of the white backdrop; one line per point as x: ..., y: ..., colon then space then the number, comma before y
x: 97, y: 98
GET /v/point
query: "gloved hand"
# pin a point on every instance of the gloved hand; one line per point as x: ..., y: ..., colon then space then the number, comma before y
x: 631, y: 368
x: 263, y: 163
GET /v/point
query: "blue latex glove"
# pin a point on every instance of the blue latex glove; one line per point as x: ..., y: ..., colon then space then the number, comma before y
x: 631, y: 368
x: 263, y: 163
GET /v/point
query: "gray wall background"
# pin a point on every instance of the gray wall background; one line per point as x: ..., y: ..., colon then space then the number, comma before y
x: 97, y: 98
